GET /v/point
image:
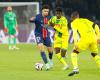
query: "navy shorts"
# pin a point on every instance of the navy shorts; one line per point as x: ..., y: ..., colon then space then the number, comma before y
x: 46, y: 41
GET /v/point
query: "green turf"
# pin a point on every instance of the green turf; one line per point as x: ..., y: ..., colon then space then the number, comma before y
x: 19, y: 65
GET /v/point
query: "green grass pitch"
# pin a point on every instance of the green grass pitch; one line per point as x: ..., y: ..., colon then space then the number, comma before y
x: 19, y: 65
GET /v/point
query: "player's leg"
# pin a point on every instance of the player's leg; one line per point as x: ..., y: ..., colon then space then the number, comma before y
x: 57, y: 51
x: 10, y: 39
x: 74, y: 62
x: 81, y: 45
x: 43, y: 55
x: 48, y: 43
x: 58, y: 47
x: 64, y: 51
x: 96, y: 58
x: 58, y: 54
x: 9, y: 42
x: 39, y: 41
x: 13, y: 33
x: 14, y: 42
x: 61, y: 59
x: 50, y: 53
x: 63, y: 54
x: 94, y: 51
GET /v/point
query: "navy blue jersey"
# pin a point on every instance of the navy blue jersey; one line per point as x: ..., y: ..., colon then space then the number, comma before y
x: 39, y: 23
x: 41, y: 30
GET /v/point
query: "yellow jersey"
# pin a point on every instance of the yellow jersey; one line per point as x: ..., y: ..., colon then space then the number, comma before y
x: 60, y: 25
x: 83, y: 27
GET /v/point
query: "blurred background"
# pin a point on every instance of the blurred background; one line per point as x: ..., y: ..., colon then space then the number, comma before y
x: 87, y: 8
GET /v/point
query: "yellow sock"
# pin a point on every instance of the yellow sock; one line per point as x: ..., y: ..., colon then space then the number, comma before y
x: 74, y: 60
x: 97, y: 59
x: 61, y: 59
x: 58, y: 55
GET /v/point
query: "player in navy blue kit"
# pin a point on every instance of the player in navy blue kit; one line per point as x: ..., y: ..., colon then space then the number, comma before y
x: 42, y: 35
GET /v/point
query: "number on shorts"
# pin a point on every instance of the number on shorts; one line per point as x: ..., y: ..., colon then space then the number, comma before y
x: 37, y: 39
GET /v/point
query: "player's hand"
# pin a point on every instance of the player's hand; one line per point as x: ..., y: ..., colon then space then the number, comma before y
x: 52, y: 24
x: 17, y: 28
x: 5, y: 30
x: 32, y: 18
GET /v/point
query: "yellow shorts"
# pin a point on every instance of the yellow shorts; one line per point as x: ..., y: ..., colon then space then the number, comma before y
x: 61, y: 42
x: 90, y: 44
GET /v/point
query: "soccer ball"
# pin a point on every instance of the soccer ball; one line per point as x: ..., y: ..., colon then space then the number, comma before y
x: 39, y: 66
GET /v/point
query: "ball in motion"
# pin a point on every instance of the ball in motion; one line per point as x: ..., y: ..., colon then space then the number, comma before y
x: 39, y: 66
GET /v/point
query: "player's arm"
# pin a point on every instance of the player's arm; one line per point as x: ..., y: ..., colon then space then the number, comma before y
x: 5, y: 21
x: 75, y: 34
x: 16, y: 24
x: 51, y: 22
x: 97, y: 30
x: 32, y: 19
x: 5, y: 24
x: 63, y: 27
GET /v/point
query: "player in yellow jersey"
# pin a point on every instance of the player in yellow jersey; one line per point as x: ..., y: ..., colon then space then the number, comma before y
x: 60, y: 24
x: 87, y: 39
x: 97, y: 31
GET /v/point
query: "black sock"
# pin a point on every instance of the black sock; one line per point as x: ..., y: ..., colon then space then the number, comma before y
x: 50, y: 55
x: 43, y: 55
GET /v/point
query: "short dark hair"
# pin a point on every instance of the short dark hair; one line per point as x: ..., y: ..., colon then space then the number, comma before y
x: 74, y: 14
x: 45, y: 7
x: 59, y: 9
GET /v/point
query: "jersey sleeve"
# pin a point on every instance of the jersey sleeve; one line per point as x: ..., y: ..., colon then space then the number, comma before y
x: 5, y: 21
x: 51, y: 21
x: 35, y: 19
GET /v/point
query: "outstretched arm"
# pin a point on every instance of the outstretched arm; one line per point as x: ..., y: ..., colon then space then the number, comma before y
x: 32, y: 19
x: 51, y: 22
x: 5, y: 21
x: 5, y: 24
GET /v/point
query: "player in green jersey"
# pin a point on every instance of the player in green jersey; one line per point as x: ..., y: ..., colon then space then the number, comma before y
x: 10, y: 26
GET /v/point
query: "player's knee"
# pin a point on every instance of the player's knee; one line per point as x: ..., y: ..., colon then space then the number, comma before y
x: 49, y: 49
x: 57, y: 50
x: 63, y: 52
x: 93, y: 54
x: 75, y: 51
x: 41, y: 47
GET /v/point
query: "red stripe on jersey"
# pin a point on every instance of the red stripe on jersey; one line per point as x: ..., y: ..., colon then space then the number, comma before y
x: 44, y: 33
x: 44, y: 29
x: 45, y: 21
